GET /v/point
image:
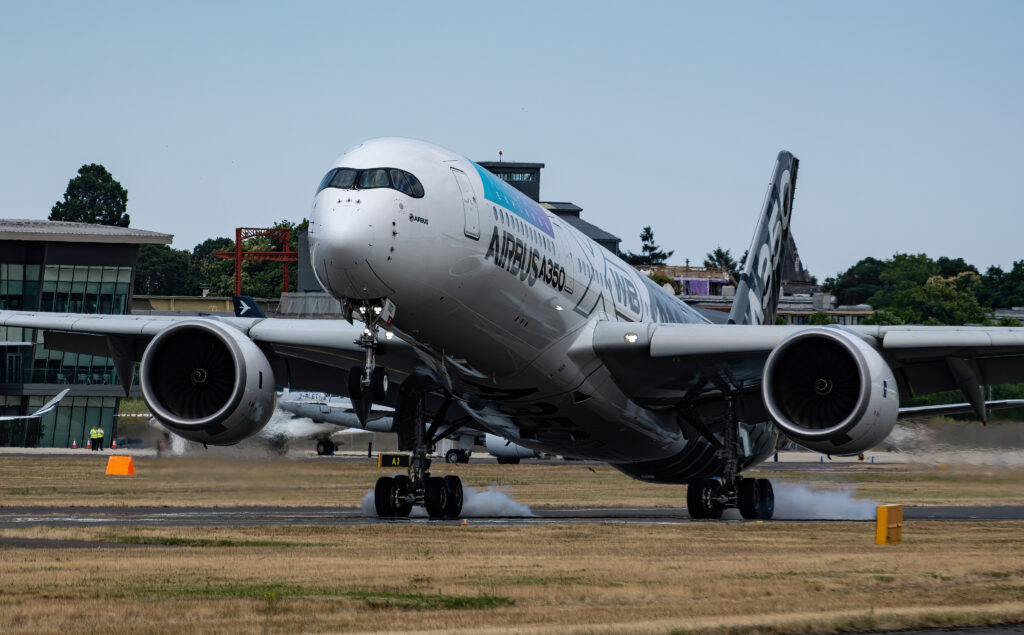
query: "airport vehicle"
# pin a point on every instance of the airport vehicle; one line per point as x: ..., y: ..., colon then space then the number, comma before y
x: 469, y: 306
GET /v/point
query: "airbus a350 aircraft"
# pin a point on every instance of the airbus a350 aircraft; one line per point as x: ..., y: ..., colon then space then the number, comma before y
x: 477, y: 308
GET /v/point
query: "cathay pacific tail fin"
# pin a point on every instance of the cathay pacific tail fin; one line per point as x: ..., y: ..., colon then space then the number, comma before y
x: 757, y: 294
x: 246, y: 307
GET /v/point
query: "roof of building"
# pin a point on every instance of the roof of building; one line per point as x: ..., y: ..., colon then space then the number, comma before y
x: 62, y: 231
x: 509, y: 165
x: 571, y: 214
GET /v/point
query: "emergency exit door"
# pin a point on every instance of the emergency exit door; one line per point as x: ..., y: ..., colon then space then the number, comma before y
x: 469, y: 206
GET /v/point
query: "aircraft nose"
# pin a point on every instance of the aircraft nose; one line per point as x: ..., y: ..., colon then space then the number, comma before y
x: 348, y: 239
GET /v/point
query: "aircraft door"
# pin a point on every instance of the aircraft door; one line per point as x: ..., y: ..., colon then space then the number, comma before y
x: 469, y: 206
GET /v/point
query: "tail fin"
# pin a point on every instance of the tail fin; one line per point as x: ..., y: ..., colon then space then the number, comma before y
x: 757, y: 295
x: 246, y: 307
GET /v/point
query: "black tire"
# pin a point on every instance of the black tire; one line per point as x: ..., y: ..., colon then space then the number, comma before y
x: 452, y: 456
x: 700, y: 497
x: 379, y: 383
x: 435, y: 497
x: 464, y: 456
x: 454, y: 486
x: 321, y: 448
x: 508, y: 460
x: 748, y: 498
x: 382, y: 499
x: 766, y: 500
x: 355, y: 383
x: 402, y: 486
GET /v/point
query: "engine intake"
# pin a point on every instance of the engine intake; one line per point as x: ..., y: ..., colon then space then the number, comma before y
x: 207, y: 382
x: 828, y: 390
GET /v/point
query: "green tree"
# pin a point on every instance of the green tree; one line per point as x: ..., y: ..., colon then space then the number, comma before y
x: 260, y: 278
x: 949, y: 267
x: 161, y: 270
x: 650, y: 253
x: 819, y: 319
x: 902, y: 273
x: 1006, y: 320
x: 941, y: 301
x: 93, y: 197
x: 883, y: 318
x: 1002, y: 289
x: 722, y: 259
x: 858, y: 283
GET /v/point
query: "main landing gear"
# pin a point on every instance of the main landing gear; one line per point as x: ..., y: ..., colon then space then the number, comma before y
x: 395, y: 496
x: 709, y: 497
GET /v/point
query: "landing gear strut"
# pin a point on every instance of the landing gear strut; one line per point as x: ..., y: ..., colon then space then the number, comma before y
x: 368, y: 384
x: 441, y: 496
x: 709, y: 497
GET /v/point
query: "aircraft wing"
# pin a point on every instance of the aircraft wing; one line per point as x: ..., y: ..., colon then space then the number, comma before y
x: 304, y: 354
x: 660, y: 365
x: 50, y: 405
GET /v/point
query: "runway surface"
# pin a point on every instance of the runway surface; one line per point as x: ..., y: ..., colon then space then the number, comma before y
x: 28, y: 516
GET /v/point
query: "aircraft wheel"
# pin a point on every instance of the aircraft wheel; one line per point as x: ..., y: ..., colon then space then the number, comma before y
x: 382, y: 499
x: 401, y: 489
x: 435, y: 497
x: 700, y: 499
x: 379, y: 383
x: 355, y: 383
x: 454, y: 486
x: 452, y: 456
x: 748, y: 497
x: 464, y: 456
x: 766, y: 500
x: 321, y: 448
x: 508, y: 460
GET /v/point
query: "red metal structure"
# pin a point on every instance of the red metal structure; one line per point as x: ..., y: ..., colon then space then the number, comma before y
x: 282, y: 234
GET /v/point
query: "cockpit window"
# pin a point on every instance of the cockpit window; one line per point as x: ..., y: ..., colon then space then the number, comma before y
x: 406, y: 183
x: 352, y: 179
x: 378, y: 177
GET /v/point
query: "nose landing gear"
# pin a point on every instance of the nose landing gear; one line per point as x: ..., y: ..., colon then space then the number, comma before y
x: 368, y: 384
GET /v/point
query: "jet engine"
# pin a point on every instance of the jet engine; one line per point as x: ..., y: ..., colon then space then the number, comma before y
x: 830, y: 391
x: 503, y: 449
x: 207, y: 382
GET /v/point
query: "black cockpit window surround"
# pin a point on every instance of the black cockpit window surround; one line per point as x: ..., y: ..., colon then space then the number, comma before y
x: 372, y: 178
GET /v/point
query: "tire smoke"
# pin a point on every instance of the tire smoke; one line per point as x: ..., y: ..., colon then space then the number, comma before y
x: 800, y: 502
x: 493, y: 502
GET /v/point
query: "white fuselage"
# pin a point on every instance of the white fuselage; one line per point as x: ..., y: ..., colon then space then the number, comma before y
x: 498, y: 296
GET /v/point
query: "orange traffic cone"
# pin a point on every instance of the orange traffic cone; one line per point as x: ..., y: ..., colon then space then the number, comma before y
x: 113, y: 444
x: 88, y: 444
x: 74, y: 444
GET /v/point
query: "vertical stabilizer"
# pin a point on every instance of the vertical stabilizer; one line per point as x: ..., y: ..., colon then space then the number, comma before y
x: 757, y: 294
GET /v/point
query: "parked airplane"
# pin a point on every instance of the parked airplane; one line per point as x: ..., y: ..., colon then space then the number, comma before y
x: 335, y: 412
x: 480, y: 310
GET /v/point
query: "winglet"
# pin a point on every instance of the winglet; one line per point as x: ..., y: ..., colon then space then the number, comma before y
x: 246, y: 307
x: 51, y: 404
x: 757, y: 294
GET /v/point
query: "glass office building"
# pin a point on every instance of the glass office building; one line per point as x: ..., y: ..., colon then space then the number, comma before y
x: 62, y: 267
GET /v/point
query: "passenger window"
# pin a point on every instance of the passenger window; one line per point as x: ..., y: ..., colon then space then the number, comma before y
x: 377, y: 177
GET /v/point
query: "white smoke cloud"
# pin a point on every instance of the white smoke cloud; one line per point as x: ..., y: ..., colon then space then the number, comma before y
x: 800, y: 502
x: 493, y: 502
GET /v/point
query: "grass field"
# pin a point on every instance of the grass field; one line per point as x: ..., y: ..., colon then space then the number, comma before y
x: 690, y: 577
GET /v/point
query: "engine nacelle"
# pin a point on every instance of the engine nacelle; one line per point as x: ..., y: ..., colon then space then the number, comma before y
x: 504, y: 449
x: 830, y: 391
x: 207, y: 382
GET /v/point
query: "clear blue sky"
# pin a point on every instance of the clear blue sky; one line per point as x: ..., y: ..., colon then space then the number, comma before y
x: 906, y: 116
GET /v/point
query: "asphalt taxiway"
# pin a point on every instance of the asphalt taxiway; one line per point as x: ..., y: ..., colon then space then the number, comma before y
x: 29, y: 516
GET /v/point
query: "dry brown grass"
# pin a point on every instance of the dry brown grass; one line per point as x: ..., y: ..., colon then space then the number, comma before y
x: 690, y: 577
x: 695, y: 577
x: 60, y: 481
